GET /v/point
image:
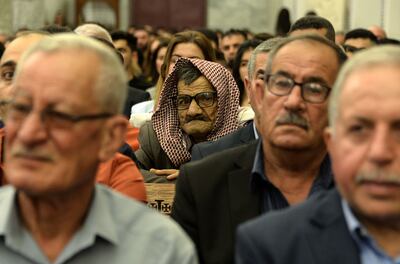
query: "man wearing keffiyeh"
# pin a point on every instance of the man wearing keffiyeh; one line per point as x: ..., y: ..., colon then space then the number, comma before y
x: 199, y: 102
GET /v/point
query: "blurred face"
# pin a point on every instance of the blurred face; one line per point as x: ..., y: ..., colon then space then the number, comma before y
x: 45, y: 157
x: 197, y: 121
x: 160, y: 58
x: 122, y: 46
x: 257, y: 79
x: 353, y: 45
x: 142, y: 38
x: 9, y: 61
x: 289, y: 122
x: 365, y: 145
x: 230, y: 45
x: 186, y: 50
x: 243, y: 64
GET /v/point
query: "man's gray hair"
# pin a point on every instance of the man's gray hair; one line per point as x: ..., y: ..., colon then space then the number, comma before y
x: 93, y: 30
x: 111, y: 83
x: 263, y: 47
x: 340, y: 55
x: 386, y: 54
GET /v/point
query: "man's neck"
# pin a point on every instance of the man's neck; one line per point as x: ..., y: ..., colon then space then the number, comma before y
x: 292, y: 172
x: 53, y: 221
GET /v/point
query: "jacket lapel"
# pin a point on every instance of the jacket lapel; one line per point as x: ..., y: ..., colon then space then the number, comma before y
x: 244, y: 204
x: 328, y: 235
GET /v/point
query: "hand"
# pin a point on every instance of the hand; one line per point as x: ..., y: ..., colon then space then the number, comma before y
x: 171, y: 174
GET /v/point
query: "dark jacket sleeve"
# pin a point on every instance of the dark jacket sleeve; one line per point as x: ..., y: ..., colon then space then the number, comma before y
x: 183, y: 209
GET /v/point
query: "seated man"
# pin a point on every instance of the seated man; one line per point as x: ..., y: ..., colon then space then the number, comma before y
x: 199, y: 102
x: 62, y: 122
x: 360, y: 221
x: 119, y: 173
x: 286, y: 166
x: 248, y: 133
x: 358, y: 39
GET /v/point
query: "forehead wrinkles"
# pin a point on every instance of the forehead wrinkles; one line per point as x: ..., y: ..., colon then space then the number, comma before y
x: 201, y: 84
x: 59, y: 75
x: 311, y: 58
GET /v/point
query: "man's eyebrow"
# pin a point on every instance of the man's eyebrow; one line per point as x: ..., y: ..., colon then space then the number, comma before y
x: 9, y: 63
x: 315, y: 79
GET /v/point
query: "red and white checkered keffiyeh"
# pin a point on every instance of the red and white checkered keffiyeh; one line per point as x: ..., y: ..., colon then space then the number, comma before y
x: 165, y: 119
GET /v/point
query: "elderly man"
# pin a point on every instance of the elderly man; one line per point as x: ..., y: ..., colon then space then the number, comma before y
x: 359, y: 223
x: 119, y: 173
x: 289, y: 163
x: 199, y: 102
x: 246, y: 134
x: 63, y: 121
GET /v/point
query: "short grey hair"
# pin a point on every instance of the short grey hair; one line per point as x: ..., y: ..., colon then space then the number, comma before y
x: 263, y: 47
x: 379, y: 55
x: 111, y: 83
x: 93, y: 30
x: 340, y: 55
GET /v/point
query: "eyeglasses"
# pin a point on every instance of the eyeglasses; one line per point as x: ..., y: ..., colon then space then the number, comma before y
x: 205, y: 99
x: 51, y: 119
x: 312, y: 92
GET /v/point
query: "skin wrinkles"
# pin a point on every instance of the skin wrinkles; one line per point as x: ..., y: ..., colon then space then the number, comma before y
x: 306, y: 121
x: 196, y: 121
x: 365, y: 143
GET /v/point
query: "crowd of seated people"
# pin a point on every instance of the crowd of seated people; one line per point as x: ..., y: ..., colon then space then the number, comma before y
x: 266, y: 146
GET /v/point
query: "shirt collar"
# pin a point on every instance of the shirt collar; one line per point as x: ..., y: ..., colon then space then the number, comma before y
x: 7, y: 218
x: 324, y: 179
x: 98, y: 221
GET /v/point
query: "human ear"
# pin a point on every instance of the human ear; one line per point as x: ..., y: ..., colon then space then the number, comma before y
x: 113, y: 136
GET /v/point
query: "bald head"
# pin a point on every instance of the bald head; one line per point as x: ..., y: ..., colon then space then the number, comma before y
x: 10, y: 59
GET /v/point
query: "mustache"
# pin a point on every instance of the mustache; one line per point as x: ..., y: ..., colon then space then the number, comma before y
x: 379, y: 176
x: 22, y: 152
x: 196, y: 118
x: 292, y: 118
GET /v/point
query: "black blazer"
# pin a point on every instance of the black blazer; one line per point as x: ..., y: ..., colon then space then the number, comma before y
x: 213, y: 197
x: 313, y: 232
x: 241, y: 136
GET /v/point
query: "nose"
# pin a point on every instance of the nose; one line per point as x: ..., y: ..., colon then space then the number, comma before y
x: 32, y: 130
x: 194, y: 109
x: 381, y: 150
x: 294, y: 100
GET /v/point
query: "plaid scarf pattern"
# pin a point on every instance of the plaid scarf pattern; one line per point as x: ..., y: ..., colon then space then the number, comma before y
x: 165, y: 119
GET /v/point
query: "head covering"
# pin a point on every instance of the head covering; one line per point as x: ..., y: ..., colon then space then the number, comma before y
x: 165, y: 119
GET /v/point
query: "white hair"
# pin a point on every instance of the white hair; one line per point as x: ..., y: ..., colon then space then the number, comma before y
x: 378, y: 55
x: 111, y: 83
x: 93, y: 30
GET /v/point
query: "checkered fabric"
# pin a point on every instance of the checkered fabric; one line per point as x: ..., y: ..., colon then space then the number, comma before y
x: 165, y: 119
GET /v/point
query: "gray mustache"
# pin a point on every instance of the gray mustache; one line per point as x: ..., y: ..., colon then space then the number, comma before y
x: 381, y: 176
x: 291, y: 118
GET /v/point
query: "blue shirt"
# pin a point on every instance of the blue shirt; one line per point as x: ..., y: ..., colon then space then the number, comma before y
x: 116, y: 230
x: 369, y: 251
x: 272, y: 197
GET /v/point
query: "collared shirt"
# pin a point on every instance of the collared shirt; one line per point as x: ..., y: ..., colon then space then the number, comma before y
x: 116, y: 230
x: 370, y: 252
x: 272, y: 197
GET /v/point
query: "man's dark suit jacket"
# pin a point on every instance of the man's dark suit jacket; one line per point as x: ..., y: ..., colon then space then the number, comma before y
x: 313, y: 232
x: 241, y: 136
x: 213, y: 196
x: 135, y: 96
